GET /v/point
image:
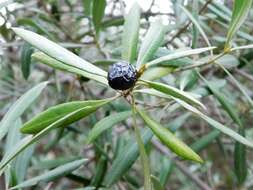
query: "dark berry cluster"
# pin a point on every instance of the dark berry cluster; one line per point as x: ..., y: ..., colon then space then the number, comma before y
x: 122, y: 76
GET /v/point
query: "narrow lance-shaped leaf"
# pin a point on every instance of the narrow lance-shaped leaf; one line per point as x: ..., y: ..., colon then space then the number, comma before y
x: 178, y: 54
x: 188, y: 79
x: 156, y: 73
x: 195, y: 22
x: 225, y: 103
x: 204, y: 141
x: 237, y: 83
x: 240, y: 162
x: 125, y: 159
x: 107, y: 123
x: 22, y: 162
x: 209, y: 120
x: 169, y: 139
x: 101, y: 169
x: 29, y: 140
x: 87, y: 7
x: 13, y: 152
x: 17, y: 109
x: 250, y: 46
x: 55, y: 113
x: 195, y: 15
x: 224, y: 129
x: 26, y: 53
x: 56, y: 51
x: 12, y: 138
x: 53, y: 174
x: 143, y: 154
x: 131, y: 33
x: 36, y: 26
x: 156, y: 183
x: 240, y: 12
x: 45, y: 59
x: 98, y: 11
x: 172, y: 91
x: 151, y: 42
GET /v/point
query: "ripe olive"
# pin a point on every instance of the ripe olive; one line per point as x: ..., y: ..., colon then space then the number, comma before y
x: 122, y: 75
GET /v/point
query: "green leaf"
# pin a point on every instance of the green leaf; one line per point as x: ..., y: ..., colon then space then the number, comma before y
x: 144, y: 158
x: 188, y: 79
x: 53, y: 163
x: 228, y: 61
x: 250, y: 46
x: 151, y: 43
x: 224, y: 129
x: 98, y: 11
x: 13, y: 152
x: 55, y: 113
x: 87, y: 6
x: 240, y: 162
x: 22, y: 162
x: 125, y: 159
x: 196, y: 23
x: 26, y: 53
x: 238, y: 84
x: 12, y: 138
x: 100, y: 172
x: 174, y: 92
x: 230, y: 109
x: 56, y: 51
x: 18, y: 108
x: 53, y: 174
x: 29, y: 140
x: 156, y: 183
x: 178, y: 54
x: 45, y: 59
x: 131, y: 33
x: 204, y: 141
x: 156, y: 73
x: 167, y: 167
x: 35, y: 25
x: 240, y: 12
x: 169, y: 139
x: 107, y: 123
x: 18, y: 167
x: 112, y: 22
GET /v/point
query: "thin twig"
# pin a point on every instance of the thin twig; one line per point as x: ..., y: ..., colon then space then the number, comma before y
x: 188, y: 24
x: 180, y: 69
x: 244, y: 74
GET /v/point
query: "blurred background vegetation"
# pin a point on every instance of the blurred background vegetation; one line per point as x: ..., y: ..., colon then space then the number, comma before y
x: 93, y: 30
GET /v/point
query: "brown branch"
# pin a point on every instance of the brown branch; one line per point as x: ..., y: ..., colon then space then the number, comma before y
x: 188, y: 24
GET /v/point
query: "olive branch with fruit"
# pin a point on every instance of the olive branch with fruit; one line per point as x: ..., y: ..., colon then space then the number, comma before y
x: 133, y: 77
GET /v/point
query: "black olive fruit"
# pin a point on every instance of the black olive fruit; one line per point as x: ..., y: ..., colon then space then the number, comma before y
x: 121, y: 76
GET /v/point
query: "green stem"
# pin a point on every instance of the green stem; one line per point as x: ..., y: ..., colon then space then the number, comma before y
x: 144, y: 157
x: 201, y: 64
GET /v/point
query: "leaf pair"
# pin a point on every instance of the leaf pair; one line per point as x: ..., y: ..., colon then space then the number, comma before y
x: 52, y: 174
x: 72, y: 113
x: 62, y: 55
x: 151, y: 41
x: 212, y: 122
x: 130, y: 151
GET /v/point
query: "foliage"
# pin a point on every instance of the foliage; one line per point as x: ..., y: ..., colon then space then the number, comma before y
x: 189, y: 113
